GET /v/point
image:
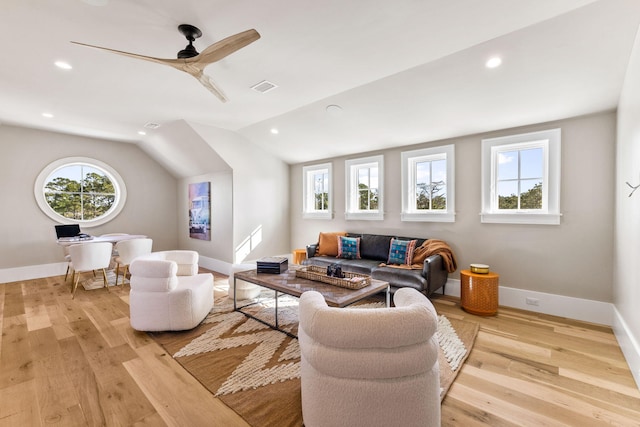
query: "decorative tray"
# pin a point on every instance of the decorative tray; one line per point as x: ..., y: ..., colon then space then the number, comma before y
x: 319, y: 274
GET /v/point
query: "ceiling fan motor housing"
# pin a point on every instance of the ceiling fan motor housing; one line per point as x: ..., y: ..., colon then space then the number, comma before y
x: 191, y: 33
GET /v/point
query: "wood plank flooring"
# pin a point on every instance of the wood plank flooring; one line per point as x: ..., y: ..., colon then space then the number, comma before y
x: 530, y: 369
x: 78, y: 362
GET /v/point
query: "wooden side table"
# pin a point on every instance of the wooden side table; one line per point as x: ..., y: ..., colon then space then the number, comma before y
x: 479, y: 293
x: 299, y: 255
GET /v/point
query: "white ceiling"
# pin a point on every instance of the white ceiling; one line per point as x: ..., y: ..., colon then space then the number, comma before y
x: 403, y: 71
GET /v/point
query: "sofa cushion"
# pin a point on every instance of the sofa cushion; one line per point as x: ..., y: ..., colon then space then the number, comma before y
x: 400, y: 277
x: 375, y: 246
x: 348, y: 247
x: 328, y: 243
x: 401, y: 251
x: 359, y: 266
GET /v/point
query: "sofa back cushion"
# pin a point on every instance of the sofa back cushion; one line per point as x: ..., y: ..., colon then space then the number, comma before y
x: 375, y: 246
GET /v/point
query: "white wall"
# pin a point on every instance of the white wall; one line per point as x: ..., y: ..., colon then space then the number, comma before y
x: 260, y: 194
x: 27, y: 234
x: 626, y: 284
x: 182, y: 151
x: 573, y: 259
x: 220, y: 247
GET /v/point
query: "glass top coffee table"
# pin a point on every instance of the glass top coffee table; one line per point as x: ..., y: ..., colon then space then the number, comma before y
x: 288, y: 283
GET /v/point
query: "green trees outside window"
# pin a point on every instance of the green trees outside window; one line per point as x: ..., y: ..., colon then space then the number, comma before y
x: 530, y: 199
x: 80, y: 192
x: 431, y: 196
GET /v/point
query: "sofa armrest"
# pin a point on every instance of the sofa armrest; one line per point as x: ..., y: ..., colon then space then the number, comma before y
x: 311, y: 250
x: 435, y: 272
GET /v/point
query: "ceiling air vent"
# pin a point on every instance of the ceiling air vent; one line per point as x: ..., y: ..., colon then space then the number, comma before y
x: 151, y: 125
x: 264, y: 86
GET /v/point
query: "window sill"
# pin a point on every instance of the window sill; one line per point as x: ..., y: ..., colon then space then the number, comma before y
x: 317, y: 215
x: 520, y: 218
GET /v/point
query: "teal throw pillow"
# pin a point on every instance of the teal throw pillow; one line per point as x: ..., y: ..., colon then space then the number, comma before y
x: 349, y: 247
x: 401, y: 251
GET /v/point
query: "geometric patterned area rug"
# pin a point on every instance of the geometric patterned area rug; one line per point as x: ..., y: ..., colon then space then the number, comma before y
x: 255, y: 370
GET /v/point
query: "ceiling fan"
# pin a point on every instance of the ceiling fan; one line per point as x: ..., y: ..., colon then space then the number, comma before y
x: 192, y: 62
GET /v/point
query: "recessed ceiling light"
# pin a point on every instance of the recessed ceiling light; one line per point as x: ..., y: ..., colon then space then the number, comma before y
x: 275, y: 131
x: 63, y: 65
x: 493, y: 62
x: 151, y: 125
x: 141, y: 132
x: 47, y: 115
x: 334, y: 110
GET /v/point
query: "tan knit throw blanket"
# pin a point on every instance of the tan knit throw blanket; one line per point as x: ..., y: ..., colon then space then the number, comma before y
x: 428, y: 248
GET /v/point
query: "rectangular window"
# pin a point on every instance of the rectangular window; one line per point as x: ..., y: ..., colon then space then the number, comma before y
x: 427, y: 184
x: 364, y: 179
x: 317, y: 191
x: 521, y: 178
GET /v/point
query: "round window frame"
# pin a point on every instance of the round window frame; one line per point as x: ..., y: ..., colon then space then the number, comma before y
x: 116, y: 179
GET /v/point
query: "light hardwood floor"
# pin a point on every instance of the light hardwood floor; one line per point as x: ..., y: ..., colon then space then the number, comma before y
x: 78, y: 362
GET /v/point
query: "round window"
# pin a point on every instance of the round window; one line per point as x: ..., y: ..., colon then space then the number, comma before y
x: 80, y: 190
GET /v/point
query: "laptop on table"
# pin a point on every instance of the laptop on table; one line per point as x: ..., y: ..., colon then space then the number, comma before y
x: 70, y: 232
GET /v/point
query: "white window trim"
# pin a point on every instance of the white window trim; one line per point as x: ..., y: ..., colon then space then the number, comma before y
x: 308, y: 211
x: 409, y: 213
x: 116, y: 179
x: 550, y: 213
x: 351, y: 189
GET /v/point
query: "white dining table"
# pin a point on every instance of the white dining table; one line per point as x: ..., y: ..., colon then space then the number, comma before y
x: 115, y: 238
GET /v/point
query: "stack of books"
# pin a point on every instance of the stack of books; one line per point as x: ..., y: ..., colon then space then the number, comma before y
x: 273, y: 265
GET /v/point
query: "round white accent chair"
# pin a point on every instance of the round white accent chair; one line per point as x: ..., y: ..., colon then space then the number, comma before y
x: 167, y: 293
x: 244, y: 290
x: 369, y: 366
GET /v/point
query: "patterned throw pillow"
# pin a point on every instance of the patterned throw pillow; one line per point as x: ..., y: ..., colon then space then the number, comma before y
x: 401, y: 251
x: 349, y: 247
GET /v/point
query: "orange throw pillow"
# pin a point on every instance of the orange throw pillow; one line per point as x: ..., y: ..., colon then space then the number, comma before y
x: 328, y: 243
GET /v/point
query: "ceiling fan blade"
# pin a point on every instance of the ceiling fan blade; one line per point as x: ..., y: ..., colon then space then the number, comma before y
x: 225, y: 47
x: 209, y: 84
x: 176, y: 63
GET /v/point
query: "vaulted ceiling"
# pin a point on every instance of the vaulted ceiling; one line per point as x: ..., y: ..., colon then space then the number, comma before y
x: 400, y: 72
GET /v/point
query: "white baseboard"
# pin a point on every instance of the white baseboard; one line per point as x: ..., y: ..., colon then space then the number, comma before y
x: 556, y: 305
x: 215, y: 265
x: 628, y: 344
x: 29, y: 272
x: 225, y: 267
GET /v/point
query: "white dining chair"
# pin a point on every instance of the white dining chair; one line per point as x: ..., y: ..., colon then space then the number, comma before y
x: 87, y: 257
x: 114, y: 251
x: 128, y: 250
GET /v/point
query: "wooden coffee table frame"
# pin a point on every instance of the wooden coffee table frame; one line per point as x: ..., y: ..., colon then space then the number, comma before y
x: 287, y: 283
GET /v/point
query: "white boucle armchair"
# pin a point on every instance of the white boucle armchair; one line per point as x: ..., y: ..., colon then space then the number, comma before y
x: 167, y: 293
x: 369, y: 366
